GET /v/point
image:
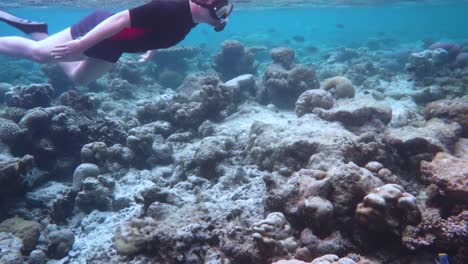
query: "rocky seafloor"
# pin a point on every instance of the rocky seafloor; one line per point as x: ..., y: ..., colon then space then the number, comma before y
x: 250, y: 157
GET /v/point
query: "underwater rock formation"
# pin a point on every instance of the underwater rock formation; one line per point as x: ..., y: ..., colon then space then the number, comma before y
x: 210, y: 152
x: 461, y: 61
x: 194, y: 104
x: 311, y: 99
x: 284, y: 81
x: 96, y: 194
x: 307, y: 141
x: 54, y: 136
x: 15, y: 175
x: 110, y: 158
x: 452, y: 49
x: 11, y: 249
x: 357, y: 112
x: 275, y: 233
x: 54, y: 197
x: 450, y: 174
x: 284, y: 57
x: 82, y: 172
x: 131, y: 238
x: 35, y: 95
x: 149, y: 146
x: 303, y: 197
x: 10, y: 132
x: 234, y: 60
x: 27, y: 231
x: 127, y: 71
x: 60, y: 242
x: 80, y: 103
x: 427, y: 63
x: 382, y: 173
x: 330, y: 259
x: 423, y: 143
x: 339, y: 87
x: 121, y: 89
x: 388, y: 207
x: 350, y: 177
x: 449, y: 111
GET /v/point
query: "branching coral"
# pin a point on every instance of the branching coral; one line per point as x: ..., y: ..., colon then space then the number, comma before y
x: 450, y: 233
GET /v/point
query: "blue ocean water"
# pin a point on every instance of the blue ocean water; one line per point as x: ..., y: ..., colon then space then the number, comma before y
x: 318, y: 25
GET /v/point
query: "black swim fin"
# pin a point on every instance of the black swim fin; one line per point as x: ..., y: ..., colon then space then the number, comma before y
x: 27, y: 26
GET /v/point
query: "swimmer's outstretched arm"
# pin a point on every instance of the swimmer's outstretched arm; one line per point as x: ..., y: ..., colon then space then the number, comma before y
x: 105, y: 29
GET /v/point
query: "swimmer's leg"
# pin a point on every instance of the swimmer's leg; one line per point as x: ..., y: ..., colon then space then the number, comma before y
x: 87, y: 70
x: 75, y: 67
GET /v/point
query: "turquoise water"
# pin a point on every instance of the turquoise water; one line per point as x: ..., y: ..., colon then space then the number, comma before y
x: 318, y: 26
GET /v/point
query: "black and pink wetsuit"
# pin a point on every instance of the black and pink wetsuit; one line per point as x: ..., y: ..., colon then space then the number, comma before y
x: 156, y: 25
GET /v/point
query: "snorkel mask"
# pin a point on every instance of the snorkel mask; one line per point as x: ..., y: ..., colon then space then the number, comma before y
x: 219, y: 10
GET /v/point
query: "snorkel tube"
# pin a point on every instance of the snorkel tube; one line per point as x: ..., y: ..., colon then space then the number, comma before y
x: 219, y: 10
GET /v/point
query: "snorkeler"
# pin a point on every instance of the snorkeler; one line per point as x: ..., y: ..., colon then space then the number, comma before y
x: 88, y: 49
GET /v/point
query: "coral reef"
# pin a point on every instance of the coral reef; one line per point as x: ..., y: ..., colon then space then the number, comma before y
x: 35, y: 95
x: 60, y: 242
x: 449, y: 111
x: 11, y: 249
x: 357, y: 112
x: 461, y: 61
x: 284, y: 57
x: 452, y: 49
x: 284, y: 81
x: 210, y: 152
x: 9, y: 131
x: 110, y: 158
x: 449, y: 173
x: 275, y: 232
x: 27, y: 231
x: 423, y: 143
x: 15, y: 175
x: 441, y: 234
x: 120, y: 89
x: 82, y: 172
x: 96, y: 194
x: 127, y: 71
x: 339, y: 87
x: 234, y: 60
x: 308, y: 141
x: 79, y: 103
x: 191, y: 107
x: 388, y: 207
x: 132, y: 237
x: 194, y: 158
x: 311, y: 99
x: 427, y: 63
x: 56, y: 198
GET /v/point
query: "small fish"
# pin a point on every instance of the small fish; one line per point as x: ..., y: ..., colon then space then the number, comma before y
x: 311, y: 49
x: 299, y: 38
x: 339, y: 25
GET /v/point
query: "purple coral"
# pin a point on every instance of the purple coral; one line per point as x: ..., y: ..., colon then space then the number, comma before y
x: 450, y: 233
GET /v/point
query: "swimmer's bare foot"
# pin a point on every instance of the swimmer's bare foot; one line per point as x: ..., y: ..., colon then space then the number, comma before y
x: 27, y: 26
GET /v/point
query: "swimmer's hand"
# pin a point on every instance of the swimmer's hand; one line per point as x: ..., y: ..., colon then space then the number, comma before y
x: 69, y: 48
x: 146, y: 56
